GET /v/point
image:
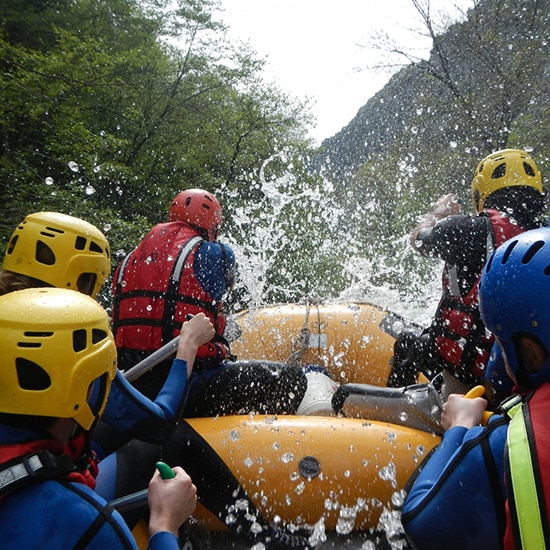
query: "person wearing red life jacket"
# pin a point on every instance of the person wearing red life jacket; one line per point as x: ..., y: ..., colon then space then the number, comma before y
x: 181, y: 268
x: 489, y: 486
x: 58, y: 362
x: 508, y: 198
x: 178, y: 269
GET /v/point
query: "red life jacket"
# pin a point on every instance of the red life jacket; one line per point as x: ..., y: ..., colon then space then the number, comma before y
x: 42, y: 459
x: 155, y: 287
x: 462, y: 340
x: 528, y: 486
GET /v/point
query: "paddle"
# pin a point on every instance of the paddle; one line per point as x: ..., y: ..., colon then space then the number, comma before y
x: 479, y: 391
x: 139, y: 498
x: 155, y: 358
x: 152, y: 360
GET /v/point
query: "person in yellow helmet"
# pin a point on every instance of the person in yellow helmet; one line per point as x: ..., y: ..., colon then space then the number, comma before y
x: 508, y: 198
x: 58, y: 250
x: 55, y: 249
x: 50, y: 249
x: 58, y: 362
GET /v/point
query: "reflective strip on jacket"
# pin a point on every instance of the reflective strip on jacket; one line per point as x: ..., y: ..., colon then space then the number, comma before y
x: 527, y: 473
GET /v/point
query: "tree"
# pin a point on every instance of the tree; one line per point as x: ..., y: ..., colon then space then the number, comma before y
x: 483, y: 88
x: 111, y: 107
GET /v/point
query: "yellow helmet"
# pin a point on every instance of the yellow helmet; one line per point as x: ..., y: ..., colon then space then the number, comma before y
x: 58, y: 355
x: 59, y: 250
x: 506, y: 168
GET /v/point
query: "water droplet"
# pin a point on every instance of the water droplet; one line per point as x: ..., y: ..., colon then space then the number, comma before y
x: 287, y: 457
x: 48, y: 180
x: 73, y: 166
x: 90, y: 190
x: 398, y: 498
x: 346, y: 520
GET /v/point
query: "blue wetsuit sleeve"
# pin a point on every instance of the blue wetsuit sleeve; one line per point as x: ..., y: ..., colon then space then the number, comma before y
x: 214, y: 267
x: 457, y: 500
x: 435, y: 466
x: 163, y: 541
x: 128, y: 411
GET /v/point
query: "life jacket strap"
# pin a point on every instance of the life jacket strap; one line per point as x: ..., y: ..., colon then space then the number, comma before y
x: 34, y: 466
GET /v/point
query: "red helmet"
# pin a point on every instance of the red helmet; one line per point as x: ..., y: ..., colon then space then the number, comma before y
x: 197, y: 208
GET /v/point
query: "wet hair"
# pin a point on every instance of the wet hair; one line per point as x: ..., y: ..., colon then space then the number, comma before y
x: 523, y: 203
x: 10, y: 281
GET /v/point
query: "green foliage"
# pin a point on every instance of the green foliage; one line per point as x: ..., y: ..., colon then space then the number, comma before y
x: 111, y: 107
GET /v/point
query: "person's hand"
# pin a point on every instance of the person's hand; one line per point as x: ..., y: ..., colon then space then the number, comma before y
x: 171, y: 501
x: 462, y: 411
x: 447, y: 205
x: 196, y: 331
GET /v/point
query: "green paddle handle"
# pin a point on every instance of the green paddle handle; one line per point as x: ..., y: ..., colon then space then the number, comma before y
x: 165, y: 471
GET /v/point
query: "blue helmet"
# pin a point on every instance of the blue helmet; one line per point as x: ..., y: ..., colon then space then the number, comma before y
x: 514, y: 298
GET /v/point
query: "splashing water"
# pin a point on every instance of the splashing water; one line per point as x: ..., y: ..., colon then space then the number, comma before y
x: 390, y: 524
x: 285, y: 211
x: 346, y: 520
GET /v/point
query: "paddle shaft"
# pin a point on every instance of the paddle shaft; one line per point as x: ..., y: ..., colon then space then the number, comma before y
x: 130, y: 502
x: 152, y: 360
x: 139, y: 498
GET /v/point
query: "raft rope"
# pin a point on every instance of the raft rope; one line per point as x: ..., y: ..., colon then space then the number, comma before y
x: 301, y: 343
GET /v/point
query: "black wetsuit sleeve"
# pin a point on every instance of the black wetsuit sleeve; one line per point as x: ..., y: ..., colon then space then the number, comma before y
x: 457, y: 240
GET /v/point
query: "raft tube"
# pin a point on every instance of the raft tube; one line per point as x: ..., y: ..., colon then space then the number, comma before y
x: 353, y: 341
x: 301, y: 470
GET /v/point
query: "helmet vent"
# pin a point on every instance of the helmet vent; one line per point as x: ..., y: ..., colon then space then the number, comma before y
x: 12, y: 244
x: 80, y: 243
x: 528, y: 169
x: 53, y: 230
x: 533, y: 249
x: 94, y: 247
x: 31, y: 376
x: 79, y: 340
x: 44, y: 254
x: 508, y: 251
x: 34, y: 334
x: 98, y: 335
x: 499, y: 171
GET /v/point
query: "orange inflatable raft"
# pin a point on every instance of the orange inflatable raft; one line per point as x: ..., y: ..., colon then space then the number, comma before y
x: 353, y: 341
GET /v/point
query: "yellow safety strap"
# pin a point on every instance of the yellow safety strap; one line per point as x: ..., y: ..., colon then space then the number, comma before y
x: 524, y: 484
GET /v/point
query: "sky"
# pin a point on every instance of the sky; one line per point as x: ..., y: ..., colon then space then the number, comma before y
x: 318, y: 49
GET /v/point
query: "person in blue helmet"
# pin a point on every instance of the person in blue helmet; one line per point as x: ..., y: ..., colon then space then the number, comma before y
x: 489, y: 486
x: 58, y: 363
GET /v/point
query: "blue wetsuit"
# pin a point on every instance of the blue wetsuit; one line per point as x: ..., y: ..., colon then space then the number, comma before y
x: 130, y: 415
x: 61, y: 514
x: 457, y: 500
